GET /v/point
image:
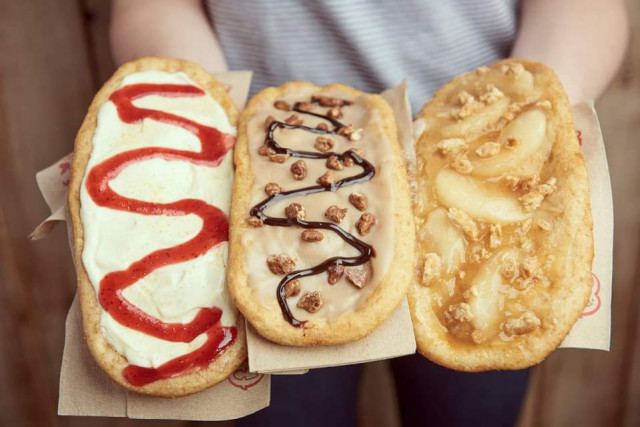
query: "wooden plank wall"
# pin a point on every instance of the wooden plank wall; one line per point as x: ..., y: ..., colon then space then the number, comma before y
x: 55, y: 56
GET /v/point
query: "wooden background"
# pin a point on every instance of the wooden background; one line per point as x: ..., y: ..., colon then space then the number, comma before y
x: 54, y: 56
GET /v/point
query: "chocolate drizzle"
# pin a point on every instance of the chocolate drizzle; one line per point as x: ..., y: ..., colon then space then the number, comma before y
x: 368, y: 171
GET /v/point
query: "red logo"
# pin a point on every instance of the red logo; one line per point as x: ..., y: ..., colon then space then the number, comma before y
x: 579, y: 135
x: 243, y: 379
x: 595, y: 301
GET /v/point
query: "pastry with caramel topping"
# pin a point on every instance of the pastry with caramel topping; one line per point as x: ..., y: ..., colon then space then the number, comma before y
x: 503, y: 220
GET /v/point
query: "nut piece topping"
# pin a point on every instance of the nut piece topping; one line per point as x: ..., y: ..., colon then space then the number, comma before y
x: 295, y: 211
x: 511, y: 142
x: 545, y: 104
x: 492, y: 95
x: 460, y: 312
x: 254, y: 221
x: 512, y: 69
x: 334, y: 163
x: 304, y: 106
x: 312, y: 236
x: 350, y: 133
x: 335, y: 214
x: 533, y: 199
x: 462, y: 165
x: 281, y: 264
x: 335, y: 272
x: 365, y: 222
x: 279, y: 158
x: 324, y: 144
x: 265, y: 150
x: 464, y: 222
x: 526, y: 323
x: 358, y: 200
x: 272, y: 188
x: 488, y: 149
x: 329, y: 101
x: 357, y: 277
x: 310, y: 301
x: 451, y: 145
x: 478, y: 253
x: 294, y: 120
x: 322, y: 126
x: 282, y: 105
x: 509, y: 269
x: 268, y: 121
x: 327, y: 178
x: 292, y: 288
x: 430, y: 268
x: 495, y: 236
x: 299, y: 170
x: 334, y: 113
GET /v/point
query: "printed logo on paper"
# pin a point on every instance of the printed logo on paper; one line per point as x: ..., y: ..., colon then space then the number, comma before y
x: 64, y: 165
x: 595, y: 301
x: 579, y: 135
x: 243, y: 379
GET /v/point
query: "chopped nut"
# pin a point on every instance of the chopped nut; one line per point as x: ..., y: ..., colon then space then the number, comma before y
x: 528, y: 183
x: 334, y: 113
x: 512, y: 69
x: 358, y: 200
x: 545, y: 104
x: 292, y: 288
x: 533, y: 199
x: 322, y: 126
x: 512, y: 182
x: 511, y: 142
x: 350, y: 133
x: 329, y: 101
x: 357, y: 277
x: 451, y: 145
x: 509, y: 269
x: 295, y: 211
x: 495, y: 236
x: 335, y: 272
x: 268, y: 121
x: 481, y: 71
x: 294, y: 120
x: 281, y: 264
x: 265, y: 150
x: 324, y: 144
x: 335, y: 214
x: 492, y: 95
x: 365, y: 222
x: 279, y: 158
x: 327, y: 178
x: 526, y: 323
x: 299, y: 170
x: 462, y: 274
x: 304, y: 106
x: 310, y: 301
x: 464, y: 222
x: 348, y: 161
x: 465, y: 98
x: 334, y: 163
x: 526, y: 244
x: 488, y: 149
x: 312, y: 236
x: 478, y: 253
x: 254, y: 221
x: 430, y: 268
x: 460, y: 312
x: 462, y: 165
x: 544, y: 225
x: 478, y: 337
x: 529, y: 265
x: 272, y: 188
x: 282, y: 105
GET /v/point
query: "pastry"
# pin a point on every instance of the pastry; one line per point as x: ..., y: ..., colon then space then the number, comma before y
x: 322, y: 236
x: 503, y: 220
x: 149, y: 196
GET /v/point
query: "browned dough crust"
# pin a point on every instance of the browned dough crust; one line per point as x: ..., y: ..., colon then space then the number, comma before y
x: 569, y: 296
x: 347, y: 327
x: 109, y: 360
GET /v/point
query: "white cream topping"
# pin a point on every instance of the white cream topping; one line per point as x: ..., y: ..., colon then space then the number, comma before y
x: 115, y: 239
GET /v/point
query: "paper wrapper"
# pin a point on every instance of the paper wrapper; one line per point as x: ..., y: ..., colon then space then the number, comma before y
x: 86, y: 390
x: 394, y: 338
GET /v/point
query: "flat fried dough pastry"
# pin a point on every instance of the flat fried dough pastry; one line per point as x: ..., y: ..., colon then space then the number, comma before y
x: 503, y: 220
x: 149, y: 196
x: 322, y: 236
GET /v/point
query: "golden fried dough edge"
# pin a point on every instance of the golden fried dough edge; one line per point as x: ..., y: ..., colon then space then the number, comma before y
x: 107, y: 358
x: 348, y: 327
x: 572, y: 294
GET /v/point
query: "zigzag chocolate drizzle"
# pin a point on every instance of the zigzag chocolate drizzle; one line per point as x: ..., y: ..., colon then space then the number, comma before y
x: 368, y: 172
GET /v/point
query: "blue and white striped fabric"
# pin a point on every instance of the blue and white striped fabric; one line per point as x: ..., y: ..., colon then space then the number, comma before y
x: 367, y: 44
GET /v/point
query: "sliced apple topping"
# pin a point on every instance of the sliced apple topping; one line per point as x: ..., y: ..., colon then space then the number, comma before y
x: 477, y: 122
x: 440, y: 237
x: 487, y: 203
x: 528, y: 148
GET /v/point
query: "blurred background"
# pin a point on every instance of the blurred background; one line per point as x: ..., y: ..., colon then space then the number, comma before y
x: 54, y: 55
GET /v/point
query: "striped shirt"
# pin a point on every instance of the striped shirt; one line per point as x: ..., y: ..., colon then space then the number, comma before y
x: 368, y: 44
